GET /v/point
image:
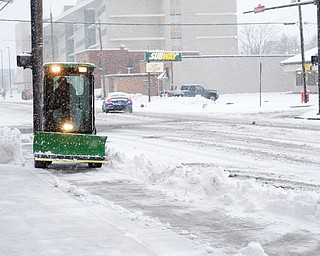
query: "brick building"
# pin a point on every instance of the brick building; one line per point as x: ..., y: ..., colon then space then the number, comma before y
x: 133, y: 83
x: 124, y: 70
x: 111, y: 61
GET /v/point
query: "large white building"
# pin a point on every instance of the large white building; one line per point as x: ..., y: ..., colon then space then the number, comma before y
x: 193, y: 25
x: 203, y: 29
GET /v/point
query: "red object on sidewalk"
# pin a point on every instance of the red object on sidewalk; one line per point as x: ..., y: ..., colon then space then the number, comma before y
x: 307, y: 96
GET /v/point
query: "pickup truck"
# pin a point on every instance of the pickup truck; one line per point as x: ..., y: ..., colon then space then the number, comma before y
x: 191, y: 90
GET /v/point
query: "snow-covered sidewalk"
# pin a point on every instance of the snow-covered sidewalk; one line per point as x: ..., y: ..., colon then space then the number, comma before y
x: 38, y: 218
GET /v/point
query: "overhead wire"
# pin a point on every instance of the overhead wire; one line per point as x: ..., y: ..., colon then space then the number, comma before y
x: 157, y: 24
x: 6, y: 5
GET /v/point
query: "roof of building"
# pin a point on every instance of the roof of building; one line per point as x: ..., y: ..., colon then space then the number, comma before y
x: 297, y: 58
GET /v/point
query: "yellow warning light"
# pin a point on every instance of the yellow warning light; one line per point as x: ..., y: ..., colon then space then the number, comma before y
x: 55, y: 69
x: 82, y: 69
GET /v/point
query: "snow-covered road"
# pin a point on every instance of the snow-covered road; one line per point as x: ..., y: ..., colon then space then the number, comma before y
x: 273, y: 150
x: 223, y: 174
x: 274, y: 147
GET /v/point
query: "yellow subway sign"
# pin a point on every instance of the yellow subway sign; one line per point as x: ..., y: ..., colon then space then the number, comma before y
x: 163, y: 56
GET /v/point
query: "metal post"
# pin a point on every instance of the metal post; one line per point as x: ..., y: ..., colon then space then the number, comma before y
x: 102, y: 64
x: 303, y: 62
x: 52, y: 38
x: 171, y: 73
x: 260, y: 80
x: 10, y: 82
x: 149, y: 87
x: 37, y: 58
x: 318, y: 24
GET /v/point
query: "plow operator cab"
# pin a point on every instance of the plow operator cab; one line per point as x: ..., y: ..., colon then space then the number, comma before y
x: 68, y: 122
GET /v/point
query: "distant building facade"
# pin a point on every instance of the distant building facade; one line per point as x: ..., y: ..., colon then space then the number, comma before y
x: 293, y: 66
x: 115, y: 61
x: 173, y: 25
x: 114, y: 35
x: 235, y: 74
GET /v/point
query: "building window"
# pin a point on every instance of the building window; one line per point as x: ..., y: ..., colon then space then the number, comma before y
x: 175, y: 31
x: 176, y: 43
x: 298, y: 79
x: 312, y: 78
x: 90, y: 32
x: 175, y: 18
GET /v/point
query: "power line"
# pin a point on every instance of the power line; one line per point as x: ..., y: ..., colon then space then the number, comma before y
x: 6, y: 5
x: 158, y: 24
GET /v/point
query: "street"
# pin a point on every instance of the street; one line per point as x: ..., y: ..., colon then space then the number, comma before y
x: 219, y: 179
x: 247, y: 148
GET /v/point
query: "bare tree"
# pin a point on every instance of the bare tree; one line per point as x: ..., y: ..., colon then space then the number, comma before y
x: 258, y: 39
x: 312, y: 43
x: 288, y: 45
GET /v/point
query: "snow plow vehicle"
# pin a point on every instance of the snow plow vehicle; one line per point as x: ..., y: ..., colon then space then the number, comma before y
x: 68, y: 118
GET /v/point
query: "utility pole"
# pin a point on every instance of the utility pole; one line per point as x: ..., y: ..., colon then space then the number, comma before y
x: 303, y: 62
x: 37, y: 62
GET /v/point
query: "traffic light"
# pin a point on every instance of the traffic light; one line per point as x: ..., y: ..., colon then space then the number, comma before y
x: 24, y: 60
x: 314, y: 59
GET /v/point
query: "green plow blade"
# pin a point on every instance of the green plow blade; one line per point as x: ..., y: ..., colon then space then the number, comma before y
x: 49, y: 146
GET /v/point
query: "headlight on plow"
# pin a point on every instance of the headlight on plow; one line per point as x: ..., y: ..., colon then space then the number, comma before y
x: 67, y: 127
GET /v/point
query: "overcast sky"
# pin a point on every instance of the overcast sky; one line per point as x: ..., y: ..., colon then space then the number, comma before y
x: 20, y: 9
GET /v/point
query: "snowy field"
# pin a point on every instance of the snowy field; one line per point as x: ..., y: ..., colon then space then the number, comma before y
x: 244, y: 198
